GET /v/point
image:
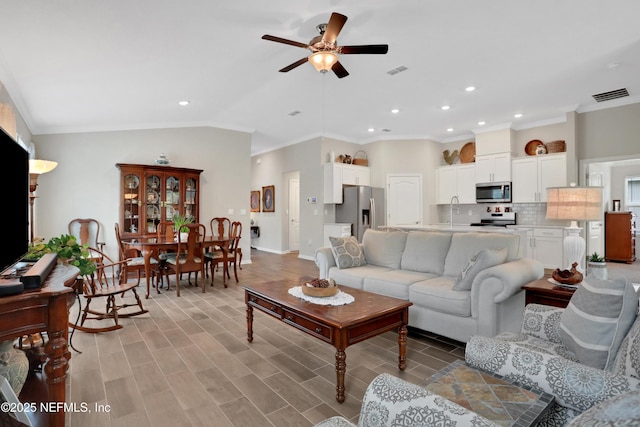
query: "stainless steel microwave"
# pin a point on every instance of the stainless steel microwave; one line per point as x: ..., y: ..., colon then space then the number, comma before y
x: 493, y: 192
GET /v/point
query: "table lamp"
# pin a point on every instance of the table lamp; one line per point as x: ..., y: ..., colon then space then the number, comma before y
x: 36, y: 167
x: 574, y: 204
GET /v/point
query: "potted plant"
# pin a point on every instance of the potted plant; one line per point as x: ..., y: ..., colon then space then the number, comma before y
x: 68, y: 250
x: 179, y: 222
x: 597, y: 266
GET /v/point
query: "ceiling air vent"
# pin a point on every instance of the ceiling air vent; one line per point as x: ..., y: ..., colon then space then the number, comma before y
x: 397, y: 70
x: 608, y: 96
x: 385, y: 130
x: 294, y: 113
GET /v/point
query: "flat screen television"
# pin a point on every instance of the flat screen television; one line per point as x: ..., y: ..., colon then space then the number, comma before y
x: 14, y: 214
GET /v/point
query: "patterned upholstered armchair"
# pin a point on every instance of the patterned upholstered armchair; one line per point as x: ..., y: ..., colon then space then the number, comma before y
x: 538, y: 358
x: 391, y: 401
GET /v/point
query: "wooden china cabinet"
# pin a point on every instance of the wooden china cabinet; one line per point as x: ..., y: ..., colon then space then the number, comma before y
x: 152, y: 193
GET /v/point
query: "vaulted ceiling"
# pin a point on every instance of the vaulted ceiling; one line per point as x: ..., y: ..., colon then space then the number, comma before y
x: 91, y: 65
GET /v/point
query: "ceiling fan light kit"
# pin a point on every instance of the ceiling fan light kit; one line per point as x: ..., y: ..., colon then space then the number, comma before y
x: 323, y: 61
x: 325, y: 50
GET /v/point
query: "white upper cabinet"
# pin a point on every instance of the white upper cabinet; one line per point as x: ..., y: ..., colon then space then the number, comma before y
x: 456, y: 181
x: 531, y: 176
x: 338, y: 174
x: 493, y: 168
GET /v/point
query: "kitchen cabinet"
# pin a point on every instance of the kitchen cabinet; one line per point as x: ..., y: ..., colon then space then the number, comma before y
x: 456, y: 181
x: 531, y: 176
x: 152, y: 194
x: 620, y: 236
x: 493, y: 168
x: 545, y: 244
x: 338, y: 174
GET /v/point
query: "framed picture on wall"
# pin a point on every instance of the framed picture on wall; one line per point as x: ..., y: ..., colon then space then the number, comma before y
x: 255, y: 201
x: 268, y: 198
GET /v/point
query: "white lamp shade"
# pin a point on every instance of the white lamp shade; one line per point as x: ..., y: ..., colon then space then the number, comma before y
x: 574, y: 203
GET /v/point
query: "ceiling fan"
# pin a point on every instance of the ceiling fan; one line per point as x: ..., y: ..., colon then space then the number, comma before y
x: 325, y: 50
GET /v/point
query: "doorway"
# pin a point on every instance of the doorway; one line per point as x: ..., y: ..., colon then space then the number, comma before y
x: 293, y: 213
x: 404, y: 205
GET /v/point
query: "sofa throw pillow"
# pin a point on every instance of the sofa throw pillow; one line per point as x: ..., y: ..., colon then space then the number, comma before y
x: 347, y: 252
x: 597, y: 319
x: 484, y: 259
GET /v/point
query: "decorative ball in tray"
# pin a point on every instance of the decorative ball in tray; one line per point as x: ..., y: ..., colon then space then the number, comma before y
x: 319, y: 288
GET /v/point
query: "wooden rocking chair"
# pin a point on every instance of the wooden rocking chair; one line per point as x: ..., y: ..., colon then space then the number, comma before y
x: 110, y: 281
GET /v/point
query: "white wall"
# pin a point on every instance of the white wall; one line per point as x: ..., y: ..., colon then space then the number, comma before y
x: 86, y: 182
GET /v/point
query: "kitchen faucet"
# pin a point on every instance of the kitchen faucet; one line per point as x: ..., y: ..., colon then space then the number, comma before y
x: 457, y: 201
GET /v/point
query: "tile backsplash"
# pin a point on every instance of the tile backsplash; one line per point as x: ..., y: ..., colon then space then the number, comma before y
x: 527, y: 213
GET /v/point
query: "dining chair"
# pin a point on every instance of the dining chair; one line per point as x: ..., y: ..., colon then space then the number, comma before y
x: 87, y: 232
x: 190, y: 255
x: 164, y: 230
x: 220, y: 226
x: 216, y: 256
x: 135, y: 260
x: 111, y: 282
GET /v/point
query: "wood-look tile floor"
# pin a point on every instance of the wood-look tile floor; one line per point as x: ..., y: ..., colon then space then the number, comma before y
x: 188, y: 363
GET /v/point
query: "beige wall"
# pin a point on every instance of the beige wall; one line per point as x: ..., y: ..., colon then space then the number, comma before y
x: 610, y: 133
x: 86, y: 181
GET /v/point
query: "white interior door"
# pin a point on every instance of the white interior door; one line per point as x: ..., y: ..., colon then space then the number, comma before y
x: 294, y: 215
x: 594, y: 237
x: 404, y: 201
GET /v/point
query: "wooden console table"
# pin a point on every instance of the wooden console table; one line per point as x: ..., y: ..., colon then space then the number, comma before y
x: 45, y: 310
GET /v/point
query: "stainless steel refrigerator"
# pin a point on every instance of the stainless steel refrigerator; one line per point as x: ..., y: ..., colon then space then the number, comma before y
x: 363, y: 207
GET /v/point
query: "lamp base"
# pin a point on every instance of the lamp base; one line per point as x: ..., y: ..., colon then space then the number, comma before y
x: 574, y: 247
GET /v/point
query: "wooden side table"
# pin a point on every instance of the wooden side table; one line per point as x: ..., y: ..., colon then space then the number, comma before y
x: 541, y: 291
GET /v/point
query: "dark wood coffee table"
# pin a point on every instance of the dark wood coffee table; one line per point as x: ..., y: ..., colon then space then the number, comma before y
x: 369, y: 315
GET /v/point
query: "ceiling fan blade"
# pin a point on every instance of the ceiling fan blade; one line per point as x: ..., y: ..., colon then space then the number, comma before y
x: 380, y: 49
x: 339, y: 70
x: 294, y: 65
x: 336, y: 22
x: 285, y: 41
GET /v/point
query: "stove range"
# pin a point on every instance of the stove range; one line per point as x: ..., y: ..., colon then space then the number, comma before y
x: 496, y: 219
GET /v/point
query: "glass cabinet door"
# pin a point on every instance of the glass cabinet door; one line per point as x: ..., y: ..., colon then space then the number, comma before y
x: 131, y: 203
x: 172, y: 197
x: 154, y: 202
x: 191, y: 198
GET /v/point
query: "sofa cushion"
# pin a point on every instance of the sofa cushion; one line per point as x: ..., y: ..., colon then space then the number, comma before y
x: 465, y: 245
x: 437, y: 294
x: 622, y: 410
x: 597, y: 319
x: 482, y: 260
x: 425, y: 252
x: 384, y: 248
x: 394, y: 283
x: 347, y: 252
x: 354, y: 277
x: 628, y: 358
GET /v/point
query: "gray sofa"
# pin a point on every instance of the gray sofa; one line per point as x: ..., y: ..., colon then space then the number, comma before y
x: 425, y: 267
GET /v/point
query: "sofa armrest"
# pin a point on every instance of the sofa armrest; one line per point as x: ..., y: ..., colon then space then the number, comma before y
x: 324, y: 260
x: 573, y: 384
x: 389, y: 399
x: 542, y: 321
x: 511, y: 276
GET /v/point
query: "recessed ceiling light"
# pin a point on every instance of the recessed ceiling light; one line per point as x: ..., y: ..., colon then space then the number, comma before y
x: 470, y: 88
x: 395, y: 111
x: 183, y: 103
x: 449, y: 129
x: 481, y: 123
x: 371, y: 129
x: 517, y: 115
x: 445, y: 107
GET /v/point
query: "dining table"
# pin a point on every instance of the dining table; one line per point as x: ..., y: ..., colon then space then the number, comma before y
x: 152, y: 245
